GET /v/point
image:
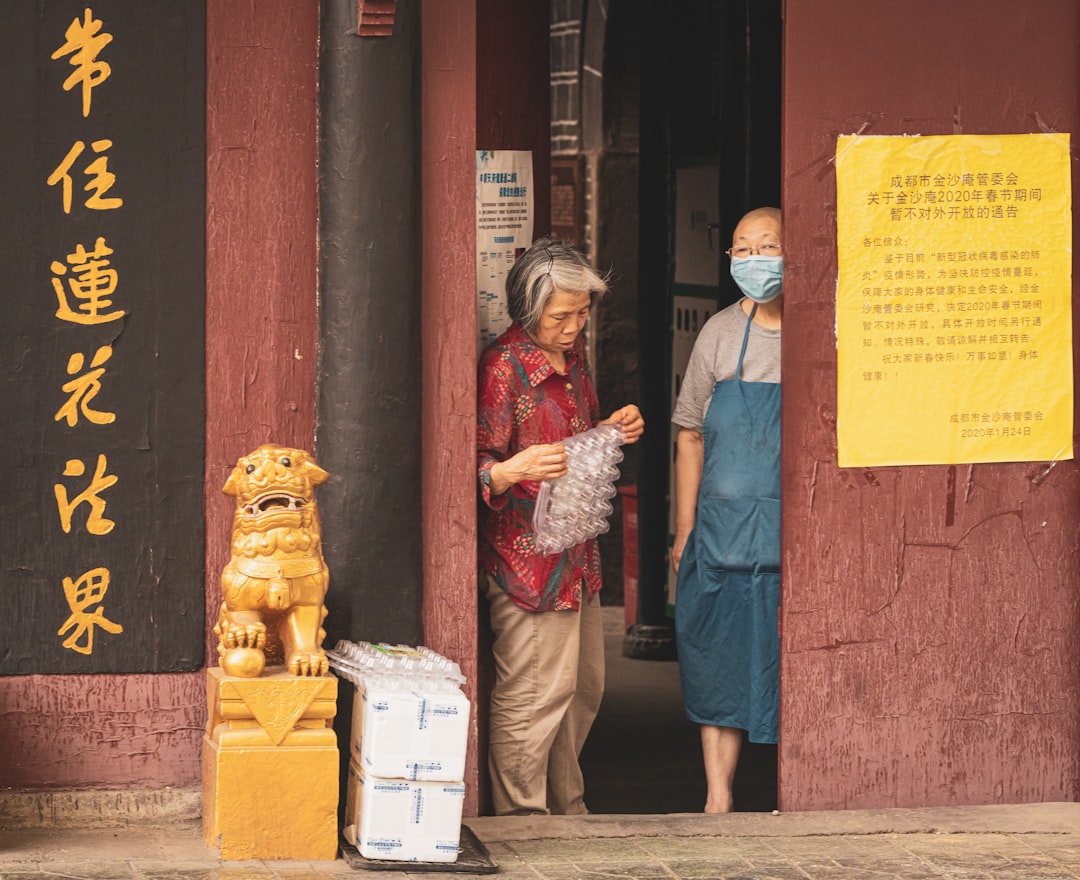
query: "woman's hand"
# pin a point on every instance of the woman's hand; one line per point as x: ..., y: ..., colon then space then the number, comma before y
x: 544, y: 461
x: 677, y: 550
x: 630, y: 420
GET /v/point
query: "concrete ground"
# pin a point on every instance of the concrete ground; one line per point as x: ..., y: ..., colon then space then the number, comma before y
x: 644, y: 786
x: 643, y: 754
x: 1000, y: 842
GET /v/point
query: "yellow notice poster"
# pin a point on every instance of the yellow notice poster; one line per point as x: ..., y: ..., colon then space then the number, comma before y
x: 953, y: 304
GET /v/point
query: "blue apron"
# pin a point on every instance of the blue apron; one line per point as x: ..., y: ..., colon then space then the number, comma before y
x: 728, y: 592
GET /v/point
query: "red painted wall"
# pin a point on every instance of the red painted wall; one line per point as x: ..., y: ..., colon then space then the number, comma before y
x: 141, y: 730
x: 448, y: 175
x: 261, y: 243
x: 929, y: 614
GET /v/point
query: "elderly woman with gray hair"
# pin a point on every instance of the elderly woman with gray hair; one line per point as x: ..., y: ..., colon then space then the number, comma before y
x: 535, y: 390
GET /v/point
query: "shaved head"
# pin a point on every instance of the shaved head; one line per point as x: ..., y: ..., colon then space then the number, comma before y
x: 772, y: 213
x: 758, y: 226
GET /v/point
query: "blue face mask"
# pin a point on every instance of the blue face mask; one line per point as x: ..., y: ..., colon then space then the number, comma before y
x: 760, y: 278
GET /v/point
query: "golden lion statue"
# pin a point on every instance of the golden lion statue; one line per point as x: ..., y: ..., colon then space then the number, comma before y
x: 275, y: 582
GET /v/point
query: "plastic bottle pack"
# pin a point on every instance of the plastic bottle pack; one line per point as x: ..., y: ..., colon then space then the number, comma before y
x: 576, y: 506
x: 394, y: 666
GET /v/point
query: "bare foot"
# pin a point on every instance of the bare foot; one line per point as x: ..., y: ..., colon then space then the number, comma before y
x: 719, y: 804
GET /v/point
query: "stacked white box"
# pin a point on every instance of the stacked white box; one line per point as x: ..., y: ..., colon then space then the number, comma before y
x: 410, y: 734
x: 403, y: 820
x: 407, y: 752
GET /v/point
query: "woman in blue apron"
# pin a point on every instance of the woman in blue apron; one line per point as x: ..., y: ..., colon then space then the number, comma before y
x: 727, y: 542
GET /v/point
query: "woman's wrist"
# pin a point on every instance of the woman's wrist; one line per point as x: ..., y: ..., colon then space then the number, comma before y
x: 497, y: 478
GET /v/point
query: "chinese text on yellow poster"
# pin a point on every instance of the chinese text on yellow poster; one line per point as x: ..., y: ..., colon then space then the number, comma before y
x: 954, y: 326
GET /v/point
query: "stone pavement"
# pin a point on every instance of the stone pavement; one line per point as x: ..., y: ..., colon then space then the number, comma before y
x: 1030, y: 842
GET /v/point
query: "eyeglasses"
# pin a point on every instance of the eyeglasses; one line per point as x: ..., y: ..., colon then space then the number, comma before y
x: 769, y: 249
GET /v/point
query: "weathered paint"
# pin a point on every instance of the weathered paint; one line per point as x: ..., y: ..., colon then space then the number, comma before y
x: 448, y: 283
x: 261, y: 145
x: 143, y: 730
x: 89, y: 731
x: 479, y: 91
x: 929, y: 614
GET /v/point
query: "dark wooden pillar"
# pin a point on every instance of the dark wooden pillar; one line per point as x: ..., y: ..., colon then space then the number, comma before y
x: 652, y: 636
x: 369, y: 378
x: 369, y: 383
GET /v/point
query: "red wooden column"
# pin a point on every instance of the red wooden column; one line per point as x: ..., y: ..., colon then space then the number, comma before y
x: 480, y: 90
x: 448, y: 161
x: 261, y: 245
x: 929, y: 614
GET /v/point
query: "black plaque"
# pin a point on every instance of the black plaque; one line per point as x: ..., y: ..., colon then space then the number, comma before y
x: 101, y: 339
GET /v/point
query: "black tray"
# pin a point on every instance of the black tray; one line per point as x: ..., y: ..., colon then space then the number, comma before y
x: 474, y: 858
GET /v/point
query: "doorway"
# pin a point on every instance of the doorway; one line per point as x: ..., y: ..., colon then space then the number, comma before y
x: 660, y: 92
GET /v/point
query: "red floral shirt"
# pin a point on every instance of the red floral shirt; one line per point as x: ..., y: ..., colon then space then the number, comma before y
x: 523, y: 400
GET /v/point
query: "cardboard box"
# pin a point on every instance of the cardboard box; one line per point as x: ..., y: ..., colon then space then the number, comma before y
x: 404, y: 733
x: 403, y: 820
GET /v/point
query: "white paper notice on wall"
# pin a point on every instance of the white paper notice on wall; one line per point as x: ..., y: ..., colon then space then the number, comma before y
x: 504, y: 228
x: 697, y: 207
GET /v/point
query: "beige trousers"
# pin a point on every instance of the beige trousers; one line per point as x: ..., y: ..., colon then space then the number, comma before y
x: 549, y: 678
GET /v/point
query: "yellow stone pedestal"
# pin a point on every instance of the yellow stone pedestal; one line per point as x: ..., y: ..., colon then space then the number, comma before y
x: 270, y: 766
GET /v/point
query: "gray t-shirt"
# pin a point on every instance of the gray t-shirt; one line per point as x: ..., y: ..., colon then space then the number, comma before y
x: 715, y: 357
